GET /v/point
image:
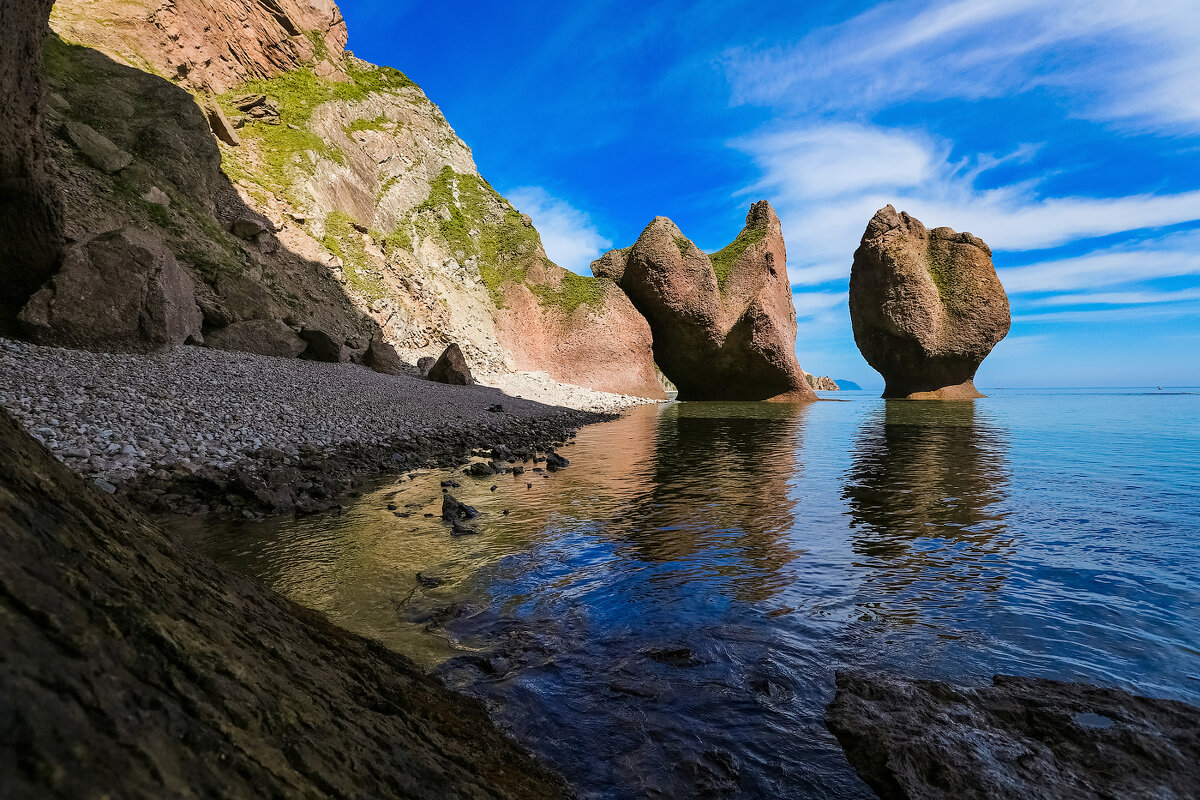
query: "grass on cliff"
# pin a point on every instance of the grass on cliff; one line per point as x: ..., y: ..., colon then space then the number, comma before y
x: 380, y: 123
x: 725, y: 259
x: 283, y: 148
x: 472, y: 218
x: 346, y: 243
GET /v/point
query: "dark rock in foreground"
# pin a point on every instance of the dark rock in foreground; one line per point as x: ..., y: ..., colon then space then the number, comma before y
x: 926, y: 307
x: 131, y: 667
x: 1019, y: 739
x: 724, y: 325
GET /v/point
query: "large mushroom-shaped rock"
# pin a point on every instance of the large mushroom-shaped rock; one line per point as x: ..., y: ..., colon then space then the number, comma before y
x: 122, y: 290
x: 724, y: 326
x: 926, y: 307
x: 1016, y: 739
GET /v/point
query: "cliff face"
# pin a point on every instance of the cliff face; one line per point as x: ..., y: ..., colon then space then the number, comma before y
x: 334, y: 198
x: 207, y: 46
x: 30, y: 217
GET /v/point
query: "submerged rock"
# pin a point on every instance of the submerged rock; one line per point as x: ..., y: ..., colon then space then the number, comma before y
x: 926, y: 306
x: 451, y: 368
x: 1019, y: 739
x: 724, y: 326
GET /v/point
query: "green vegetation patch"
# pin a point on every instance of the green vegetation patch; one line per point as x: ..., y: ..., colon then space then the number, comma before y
x: 320, y: 47
x: 346, y: 243
x: 380, y: 123
x: 725, y: 259
x: 283, y: 147
x: 576, y: 291
x: 470, y: 217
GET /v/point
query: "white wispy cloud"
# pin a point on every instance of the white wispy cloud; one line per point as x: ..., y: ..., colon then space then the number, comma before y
x: 1132, y: 298
x: 1111, y: 314
x: 1170, y: 256
x: 826, y: 180
x: 1124, y: 61
x: 570, y: 237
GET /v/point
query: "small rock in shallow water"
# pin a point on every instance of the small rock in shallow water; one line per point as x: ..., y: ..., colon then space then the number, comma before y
x: 454, y: 510
x: 429, y: 581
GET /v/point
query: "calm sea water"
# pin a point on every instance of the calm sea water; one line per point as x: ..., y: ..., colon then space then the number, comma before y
x: 665, y: 617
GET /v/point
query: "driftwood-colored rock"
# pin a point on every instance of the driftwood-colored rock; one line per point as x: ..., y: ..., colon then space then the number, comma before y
x: 132, y: 667
x: 926, y: 307
x: 1019, y: 739
x: 724, y: 327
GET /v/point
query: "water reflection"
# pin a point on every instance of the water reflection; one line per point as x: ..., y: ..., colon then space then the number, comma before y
x: 716, y: 493
x: 923, y: 491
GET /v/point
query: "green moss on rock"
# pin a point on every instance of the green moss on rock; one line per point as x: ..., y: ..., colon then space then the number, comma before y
x: 346, y: 243
x: 283, y: 148
x: 725, y: 259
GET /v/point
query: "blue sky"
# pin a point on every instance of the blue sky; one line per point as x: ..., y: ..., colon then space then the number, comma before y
x: 1065, y: 134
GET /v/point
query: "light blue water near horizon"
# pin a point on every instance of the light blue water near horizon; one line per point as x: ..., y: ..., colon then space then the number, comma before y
x: 665, y: 617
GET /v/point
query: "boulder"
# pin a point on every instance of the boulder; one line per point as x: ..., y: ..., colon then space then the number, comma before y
x: 926, y: 307
x: 451, y: 368
x: 424, y: 364
x: 382, y: 357
x: 266, y: 337
x: 1018, y: 739
x: 247, y: 227
x: 96, y: 148
x: 323, y: 347
x: 222, y: 128
x: 122, y: 290
x: 723, y: 325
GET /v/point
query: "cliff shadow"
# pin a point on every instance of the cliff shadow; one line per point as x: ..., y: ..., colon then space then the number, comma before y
x: 131, y: 150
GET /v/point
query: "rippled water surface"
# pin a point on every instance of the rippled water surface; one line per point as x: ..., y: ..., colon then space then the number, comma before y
x: 664, y: 617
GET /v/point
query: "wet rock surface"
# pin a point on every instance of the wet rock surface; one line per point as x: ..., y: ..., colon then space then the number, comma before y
x: 133, y: 667
x: 724, y: 326
x: 196, y: 430
x: 926, y: 306
x: 1026, y: 738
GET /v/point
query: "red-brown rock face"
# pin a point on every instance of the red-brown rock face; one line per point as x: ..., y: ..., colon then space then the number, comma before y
x: 724, y: 326
x: 926, y: 307
x: 205, y: 45
x: 604, y: 344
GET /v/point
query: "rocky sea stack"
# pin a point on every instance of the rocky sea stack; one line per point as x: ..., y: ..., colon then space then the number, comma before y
x: 723, y: 325
x: 926, y: 307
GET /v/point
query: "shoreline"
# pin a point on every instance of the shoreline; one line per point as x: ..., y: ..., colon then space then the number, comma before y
x: 203, y: 431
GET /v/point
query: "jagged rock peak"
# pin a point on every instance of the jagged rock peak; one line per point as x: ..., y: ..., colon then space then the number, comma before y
x: 926, y: 306
x: 723, y: 325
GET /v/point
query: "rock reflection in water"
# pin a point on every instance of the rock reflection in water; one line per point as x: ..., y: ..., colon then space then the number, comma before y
x: 923, y: 493
x: 716, y: 496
